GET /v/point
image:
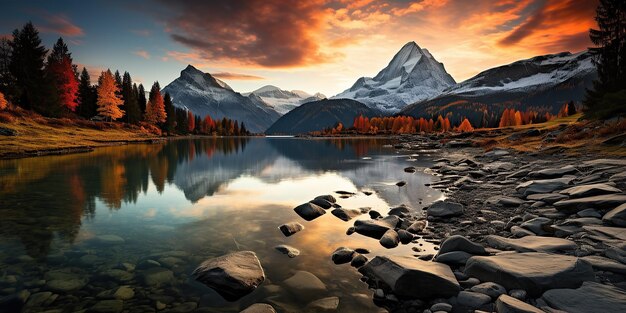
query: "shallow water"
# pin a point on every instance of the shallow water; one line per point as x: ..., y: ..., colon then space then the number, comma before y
x: 181, y: 202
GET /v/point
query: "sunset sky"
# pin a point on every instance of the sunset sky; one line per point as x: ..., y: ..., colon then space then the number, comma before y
x: 314, y: 45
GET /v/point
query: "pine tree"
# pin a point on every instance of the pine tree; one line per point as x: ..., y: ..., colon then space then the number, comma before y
x: 131, y: 106
x: 571, y: 108
x: 87, y: 97
x: 108, y: 98
x: 609, y: 90
x: 60, y: 69
x: 7, y: 81
x: 170, y: 112
x: 26, y: 66
x: 141, y: 98
x: 155, y: 109
x: 243, y: 130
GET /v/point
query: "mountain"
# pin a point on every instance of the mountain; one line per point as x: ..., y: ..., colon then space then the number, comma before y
x: 284, y: 101
x: 203, y: 94
x: 317, y: 115
x: 543, y: 83
x: 412, y: 75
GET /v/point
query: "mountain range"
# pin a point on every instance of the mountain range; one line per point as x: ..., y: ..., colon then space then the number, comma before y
x: 284, y: 101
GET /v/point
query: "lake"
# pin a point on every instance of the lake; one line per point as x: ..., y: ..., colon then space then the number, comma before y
x: 82, y: 225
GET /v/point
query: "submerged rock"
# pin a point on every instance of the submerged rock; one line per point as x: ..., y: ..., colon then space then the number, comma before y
x: 445, y: 209
x: 157, y: 276
x: 233, y: 275
x: 412, y: 278
x: 305, y: 285
x: 309, y: 211
x: 290, y: 228
x: 532, y: 271
x: 66, y: 279
x: 590, y: 297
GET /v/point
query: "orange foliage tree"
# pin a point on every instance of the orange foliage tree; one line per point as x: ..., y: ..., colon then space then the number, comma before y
x: 465, y: 126
x: 155, y: 110
x: 108, y: 97
x: 192, y: 121
x: 3, y: 102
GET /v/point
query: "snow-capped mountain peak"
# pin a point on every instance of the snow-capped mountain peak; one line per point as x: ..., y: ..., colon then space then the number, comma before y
x: 281, y: 100
x: 412, y: 75
x: 201, y: 79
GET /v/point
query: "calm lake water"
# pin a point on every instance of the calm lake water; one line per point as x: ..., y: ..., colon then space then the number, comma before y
x: 79, y: 224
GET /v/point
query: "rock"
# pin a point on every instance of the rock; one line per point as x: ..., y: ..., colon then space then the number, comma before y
x: 547, y: 197
x: 358, y: 260
x: 472, y: 300
x: 389, y: 239
x: 531, y: 271
x: 417, y: 227
x: 409, y: 169
x: 329, y: 304
x: 309, y: 211
x: 445, y: 209
x: 305, y: 284
x: 146, y: 264
x: 324, y: 204
x: 66, y: 279
x: 504, y: 201
x: 124, y: 293
x: 329, y: 198
x: 399, y: 211
x: 460, y: 243
x: 589, y: 213
x: 288, y: 250
x: 590, y: 297
x: 491, y: 289
x: 376, y: 228
x: 110, y: 239
x: 539, y: 225
x: 543, y: 186
x: 290, y: 228
x: 36, y: 300
x: 453, y: 258
x: 616, y: 216
x: 157, y: 276
x: 605, y: 264
x: 531, y: 244
x: 342, y: 255
x: 584, y: 191
x: 14, y: 302
x: 441, y: 307
x: 598, y: 202
x: 233, y: 275
x: 8, y: 132
x: 412, y: 278
x: 374, y: 214
x: 401, y: 183
x: 346, y: 214
x: 553, y: 172
x: 120, y: 276
x: 259, y: 308
x: 108, y: 306
x: 606, y: 234
x: 519, y: 294
x: 508, y: 304
x: 405, y: 236
x: 521, y: 232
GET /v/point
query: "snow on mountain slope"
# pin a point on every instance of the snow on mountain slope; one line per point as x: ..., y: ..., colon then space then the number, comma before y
x: 203, y: 94
x: 412, y: 75
x: 284, y: 101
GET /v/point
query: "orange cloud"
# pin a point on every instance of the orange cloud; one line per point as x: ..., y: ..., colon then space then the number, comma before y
x: 142, y: 53
x: 60, y: 24
x: 236, y: 76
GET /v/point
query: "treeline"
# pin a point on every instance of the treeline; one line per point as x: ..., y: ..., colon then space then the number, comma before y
x: 512, y: 117
x: 50, y: 84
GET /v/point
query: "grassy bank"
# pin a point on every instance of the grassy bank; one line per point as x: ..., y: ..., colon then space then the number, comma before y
x: 26, y: 134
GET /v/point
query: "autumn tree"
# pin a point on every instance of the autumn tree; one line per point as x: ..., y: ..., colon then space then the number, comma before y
x: 3, y: 102
x: 108, y: 98
x: 155, y: 109
x: 191, y: 125
x: 61, y: 72
x: 465, y: 126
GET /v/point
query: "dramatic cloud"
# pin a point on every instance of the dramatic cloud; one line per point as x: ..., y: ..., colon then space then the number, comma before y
x: 142, y: 53
x: 236, y: 76
x: 59, y: 24
x: 269, y: 33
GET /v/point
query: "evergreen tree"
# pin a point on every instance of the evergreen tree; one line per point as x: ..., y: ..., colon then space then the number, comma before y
x: 170, y: 122
x: 571, y: 108
x: 61, y: 72
x: 7, y: 81
x: 87, y: 97
x: 141, y: 98
x: 609, y: 91
x: 131, y: 105
x: 108, y: 98
x: 243, y: 129
x: 26, y: 66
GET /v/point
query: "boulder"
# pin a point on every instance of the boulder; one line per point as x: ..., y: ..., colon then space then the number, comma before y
x: 553, y: 172
x: 453, y: 258
x: 606, y: 234
x: 445, y: 209
x: 504, y: 201
x: 531, y: 244
x: 583, y: 191
x: 288, y: 250
x: 376, y: 228
x: 412, y: 278
x: 597, y: 202
x: 346, y: 214
x: 472, y: 300
x: 358, y: 260
x: 399, y: 211
x: 491, y: 289
x: 405, y: 236
x: 342, y: 255
x: 590, y: 297
x: 460, y: 243
x: 259, y: 308
x: 616, y: 216
x: 544, y: 185
x: 539, y: 225
x: 605, y: 264
x: 324, y: 204
x: 417, y: 227
x: 305, y: 285
x: 309, y: 211
x: 233, y: 275
x: 390, y: 239
x: 329, y: 198
x: 531, y: 271
x: 66, y: 279
x: 508, y: 304
x: 290, y: 228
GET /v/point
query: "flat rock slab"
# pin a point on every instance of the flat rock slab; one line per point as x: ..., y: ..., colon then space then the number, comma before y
x: 531, y: 244
x: 547, y: 197
x: 609, y: 234
x: 445, y: 209
x: 534, y: 272
x: 544, y: 185
x: 460, y: 243
x: 505, y: 201
x: 412, y: 278
x: 508, y: 304
x: 605, y: 264
x: 590, y: 297
x: 597, y: 202
x: 553, y: 172
x: 233, y: 275
x: 616, y: 216
x: 590, y: 190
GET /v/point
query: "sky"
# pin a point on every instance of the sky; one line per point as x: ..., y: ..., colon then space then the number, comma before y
x: 313, y: 45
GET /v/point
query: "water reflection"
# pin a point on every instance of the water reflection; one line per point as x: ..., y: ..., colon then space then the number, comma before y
x: 202, y: 198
